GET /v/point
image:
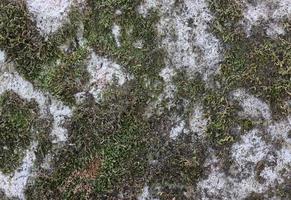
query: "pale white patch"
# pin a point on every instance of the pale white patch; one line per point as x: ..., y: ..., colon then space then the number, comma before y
x: 198, y: 123
x: 102, y: 73
x: 80, y: 97
x: 118, y: 12
x: 280, y: 130
x: 218, y: 184
x: 2, y: 56
x: 275, y: 29
x: 49, y: 15
x: 178, y: 128
x: 15, y: 183
x: 170, y: 89
x: 251, y: 148
x: 270, y: 12
x: 138, y: 44
x: 252, y: 106
x: 60, y: 113
x: 245, y: 156
x: 145, y: 195
x: 183, y: 33
x: 116, y: 33
x: 183, y: 29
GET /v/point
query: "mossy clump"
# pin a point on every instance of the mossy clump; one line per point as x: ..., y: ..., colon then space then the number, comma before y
x: 258, y: 63
x: 227, y: 15
x: 40, y: 59
x: 109, y: 130
x: 143, y: 62
x: 67, y: 78
x: 21, y: 40
x: 221, y: 113
x: 126, y: 144
x: 262, y: 66
x: 16, y: 129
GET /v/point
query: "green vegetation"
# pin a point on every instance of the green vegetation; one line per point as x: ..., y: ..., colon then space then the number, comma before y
x: 262, y: 65
x: 127, y: 144
x: 37, y: 58
x: 115, y: 130
x: 258, y: 63
x: 21, y: 40
x: 113, y: 147
x: 67, y: 78
x: 144, y: 62
x: 16, y: 129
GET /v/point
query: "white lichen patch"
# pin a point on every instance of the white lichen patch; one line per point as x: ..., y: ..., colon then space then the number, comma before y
x: 60, y: 114
x: 251, y: 148
x: 244, y: 176
x: 280, y: 130
x: 183, y: 29
x: 198, y: 122
x: 14, y: 184
x: 139, y: 44
x: 258, y: 164
x: 103, y: 72
x: 116, y: 33
x: 269, y: 13
x: 145, y: 195
x: 169, y: 89
x: 252, y: 107
x: 2, y: 56
x: 179, y: 127
x: 50, y: 15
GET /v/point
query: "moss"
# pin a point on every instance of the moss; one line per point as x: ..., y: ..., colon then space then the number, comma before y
x: 21, y: 40
x: 16, y: 129
x: 144, y: 62
x: 36, y: 57
x: 126, y: 142
x: 220, y: 112
x: 262, y: 66
x: 227, y: 13
x: 134, y: 150
x: 96, y: 130
x: 258, y: 63
x: 67, y: 78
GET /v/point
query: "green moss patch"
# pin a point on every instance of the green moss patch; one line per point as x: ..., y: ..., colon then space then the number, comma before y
x: 141, y: 62
x: 258, y: 63
x: 21, y: 40
x: 16, y: 129
x: 262, y: 66
x: 127, y: 144
x: 67, y: 78
x: 36, y: 57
